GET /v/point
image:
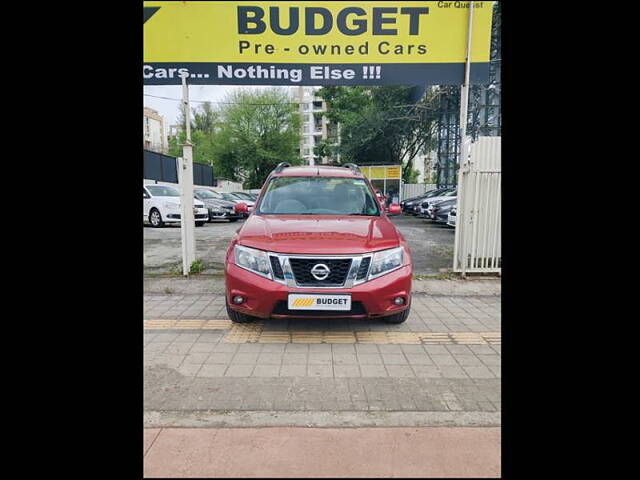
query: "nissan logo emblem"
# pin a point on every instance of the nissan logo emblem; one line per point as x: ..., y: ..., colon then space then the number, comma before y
x: 320, y: 271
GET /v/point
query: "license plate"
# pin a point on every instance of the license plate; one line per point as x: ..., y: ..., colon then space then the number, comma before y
x: 312, y: 301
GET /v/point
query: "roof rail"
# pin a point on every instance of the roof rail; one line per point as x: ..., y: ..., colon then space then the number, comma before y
x: 281, y: 166
x: 353, y: 167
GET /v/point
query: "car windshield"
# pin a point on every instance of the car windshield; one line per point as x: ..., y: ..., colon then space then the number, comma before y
x: 318, y: 196
x: 243, y: 195
x: 205, y: 194
x: 434, y: 193
x: 230, y: 196
x: 162, y: 191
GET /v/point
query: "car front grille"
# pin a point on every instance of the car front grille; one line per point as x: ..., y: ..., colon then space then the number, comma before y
x: 339, y: 269
x: 364, y: 268
x: 276, y: 267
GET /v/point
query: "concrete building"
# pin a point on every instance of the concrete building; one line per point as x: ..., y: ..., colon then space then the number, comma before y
x: 155, y: 134
x: 315, y: 126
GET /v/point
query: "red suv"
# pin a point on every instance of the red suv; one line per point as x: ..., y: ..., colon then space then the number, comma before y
x: 318, y: 245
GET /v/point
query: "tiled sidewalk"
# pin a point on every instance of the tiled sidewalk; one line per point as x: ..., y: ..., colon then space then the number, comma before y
x: 202, y: 370
x: 428, y: 314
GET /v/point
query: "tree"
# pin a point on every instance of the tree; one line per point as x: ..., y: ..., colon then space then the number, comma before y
x: 204, y: 123
x: 381, y: 124
x: 258, y: 130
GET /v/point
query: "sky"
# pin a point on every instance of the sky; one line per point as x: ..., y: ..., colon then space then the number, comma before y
x: 169, y: 108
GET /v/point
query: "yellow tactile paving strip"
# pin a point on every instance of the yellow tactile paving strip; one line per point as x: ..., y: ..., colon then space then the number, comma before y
x: 168, y: 324
x: 255, y: 333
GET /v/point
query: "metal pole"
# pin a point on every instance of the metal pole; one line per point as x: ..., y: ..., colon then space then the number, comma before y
x: 187, y: 219
x: 462, y: 163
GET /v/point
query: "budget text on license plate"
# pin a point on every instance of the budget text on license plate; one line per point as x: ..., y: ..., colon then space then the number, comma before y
x: 298, y: 301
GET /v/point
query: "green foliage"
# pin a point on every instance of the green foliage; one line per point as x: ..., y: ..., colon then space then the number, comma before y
x: 259, y: 129
x: 196, y: 267
x: 175, y: 269
x: 411, y: 176
x: 381, y: 124
x: 204, y: 124
x: 246, y: 137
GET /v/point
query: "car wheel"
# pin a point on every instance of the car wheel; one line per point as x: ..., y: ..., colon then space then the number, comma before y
x: 199, y: 224
x: 155, y: 218
x: 237, y: 317
x: 231, y: 220
x: 398, y: 317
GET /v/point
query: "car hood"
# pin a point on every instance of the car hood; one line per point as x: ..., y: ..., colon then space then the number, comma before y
x: 436, y: 199
x: 318, y: 234
x: 196, y: 203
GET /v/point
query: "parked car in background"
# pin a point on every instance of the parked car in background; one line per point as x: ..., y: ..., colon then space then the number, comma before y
x: 451, y: 218
x: 426, y: 206
x: 318, y: 245
x: 231, y: 197
x: 412, y: 205
x: 218, y: 208
x: 161, y: 205
x: 247, y: 196
x: 440, y: 210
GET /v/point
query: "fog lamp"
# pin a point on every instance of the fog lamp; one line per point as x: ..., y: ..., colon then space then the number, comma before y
x: 398, y: 301
x: 238, y: 300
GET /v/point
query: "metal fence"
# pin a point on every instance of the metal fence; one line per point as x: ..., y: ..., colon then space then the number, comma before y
x: 164, y: 168
x: 478, y: 236
x: 410, y: 190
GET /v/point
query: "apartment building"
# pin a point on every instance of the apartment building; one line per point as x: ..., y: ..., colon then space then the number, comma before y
x: 155, y: 134
x: 315, y: 125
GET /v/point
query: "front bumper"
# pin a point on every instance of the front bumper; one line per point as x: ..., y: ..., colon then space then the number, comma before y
x: 223, y: 215
x: 200, y: 216
x: 266, y: 298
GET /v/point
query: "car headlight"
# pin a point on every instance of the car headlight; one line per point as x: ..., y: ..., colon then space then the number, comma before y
x: 253, y: 260
x: 171, y: 205
x: 386, y: 261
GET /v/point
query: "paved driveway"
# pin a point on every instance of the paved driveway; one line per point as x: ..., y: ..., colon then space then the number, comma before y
x: 431, y: 245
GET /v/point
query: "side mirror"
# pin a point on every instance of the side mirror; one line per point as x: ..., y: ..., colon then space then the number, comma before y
x: 241, y: 208
x: 395, y: 209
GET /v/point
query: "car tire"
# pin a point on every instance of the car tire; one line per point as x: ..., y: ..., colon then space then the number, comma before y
x: 155, y: 218
x: 237, y: 317
x: 231, y: 220
x: 199, y: 224
x: 398, y: 317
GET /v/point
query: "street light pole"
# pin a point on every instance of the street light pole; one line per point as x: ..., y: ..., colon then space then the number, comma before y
x: 185, y: 173
x: 463, y: 161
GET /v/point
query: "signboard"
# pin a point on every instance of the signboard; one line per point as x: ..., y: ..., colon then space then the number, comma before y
x: 393, y: 172
x: 314, y: 43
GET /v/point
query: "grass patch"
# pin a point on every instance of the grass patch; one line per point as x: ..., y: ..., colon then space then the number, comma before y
x: 197, y: 266
x: 175, y: 269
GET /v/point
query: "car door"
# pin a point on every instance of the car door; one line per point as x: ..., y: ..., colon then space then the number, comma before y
x: 146, y: 203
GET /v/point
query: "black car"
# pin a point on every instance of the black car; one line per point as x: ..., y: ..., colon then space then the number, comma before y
x: 440, y: 212
x: 218, y: 209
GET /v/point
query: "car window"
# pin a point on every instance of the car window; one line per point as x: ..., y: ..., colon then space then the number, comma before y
x: 205, y: 194
x: 163, y: 191
x: 243, y: 195
x: 145, y: 194
x: 318, y: 196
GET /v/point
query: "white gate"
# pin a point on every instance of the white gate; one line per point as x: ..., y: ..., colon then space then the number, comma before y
x: 410, y: 190
x: 478, y: 238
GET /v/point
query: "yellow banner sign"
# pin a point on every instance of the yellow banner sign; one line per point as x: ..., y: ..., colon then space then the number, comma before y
x: 338, y: 42
x: 382, y: 172
x: 393, y: 172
